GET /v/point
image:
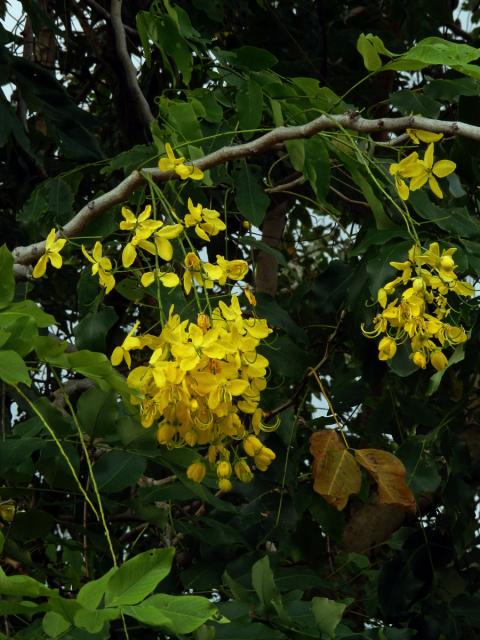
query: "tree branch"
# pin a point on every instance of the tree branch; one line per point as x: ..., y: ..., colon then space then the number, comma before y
x: 127, y: 64
x: 103, y: 12
x: 352, y: 121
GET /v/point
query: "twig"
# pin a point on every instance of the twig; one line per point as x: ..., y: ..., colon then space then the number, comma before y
x: 347, y: 199
x: 286, y: 186
x: 298, y: 389
x: 102, y: 11
x: 353, y: 121
x: 127, y: 64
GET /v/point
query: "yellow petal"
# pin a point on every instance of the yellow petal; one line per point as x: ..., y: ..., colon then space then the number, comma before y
x: 418, y: 181
x: 50, y: 240
x: 428, y: 158
x: 435, y: 187
x: 87, y: 255
x: 147, y: 279
x: 129, y: 254
x: 164, y: 164
x: 56, y: 260
x: 444, y: 168
x: 40, y: 268
x: 117, y: 356
x: 402, y: 188
x: 201, y: 233
x: 164, y: 248
x: 424, y: 136
x: 97, y: 251
x: 169, y: 280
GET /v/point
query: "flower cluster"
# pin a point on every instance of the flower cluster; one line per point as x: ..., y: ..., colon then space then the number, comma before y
x: 419, y: 306
x: 201, y: 388
x: 421, y: 171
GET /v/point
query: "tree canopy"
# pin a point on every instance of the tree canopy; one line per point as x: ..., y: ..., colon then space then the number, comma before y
x: 239, y: 320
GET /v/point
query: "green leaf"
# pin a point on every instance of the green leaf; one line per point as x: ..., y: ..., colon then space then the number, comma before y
x: 254, y: 58
x: 367, y: 49
x: 94, y: 621
x: 317, y: 166
x: 263, y: 581
x: 247, y: 631
x: 328, y: 614
x: 457, y: 356
x: 250, y: 198
x: 92, y: 330
x: 249, y: 102
x: 135, y: 158
x: 13, y: 369
x: 263, y: 246
x: 7, y: 279
x: 184, y: 120
x: 117, y: 470
x: 91, y: 594
x: 407, y: 103
x: 138, y: 577
x: 296, y: 152
x: 178, y: 614
x: 54, y: 624
x: 22, y: 586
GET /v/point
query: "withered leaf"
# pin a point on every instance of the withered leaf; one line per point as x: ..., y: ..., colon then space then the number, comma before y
x: 389, y: 473
x: 336, y: 474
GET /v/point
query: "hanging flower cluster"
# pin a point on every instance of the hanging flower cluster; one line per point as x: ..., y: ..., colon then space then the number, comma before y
x: 201, y: 388
x: 418, y: 306
x: 421, y: 171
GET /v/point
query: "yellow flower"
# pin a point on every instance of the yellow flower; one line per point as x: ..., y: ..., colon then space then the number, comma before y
x: 100, y: 265
x: 171, y: 163
x: 387, y: 348
x: 142, y: 229
x: 206, y: 221
x: 400, y: 171
x: 122, y: 352
x: 419, y: 135
x: 426, y: 170
x: 196, y: 471
x: 51, y: 254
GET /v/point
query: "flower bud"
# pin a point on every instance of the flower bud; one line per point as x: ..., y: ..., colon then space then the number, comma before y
x: 196, y: 471
x: 203, y: 321
x: 252, y: 445
x: 419, y: 360
x: 438, y: 360
x: 224, y: 469
x: 224, y: 485
x: 165, y: 433
x: 243, y: 471
x: 191, y: 438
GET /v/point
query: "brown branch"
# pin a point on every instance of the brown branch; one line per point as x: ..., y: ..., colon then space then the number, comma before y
x: 127, y: 64
x: 266, y: 270
x: 353, y: 121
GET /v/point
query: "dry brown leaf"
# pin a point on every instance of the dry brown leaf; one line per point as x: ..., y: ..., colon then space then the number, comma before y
x: 336, y: 474
x: 389, y: 473
x: 320, y: 443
